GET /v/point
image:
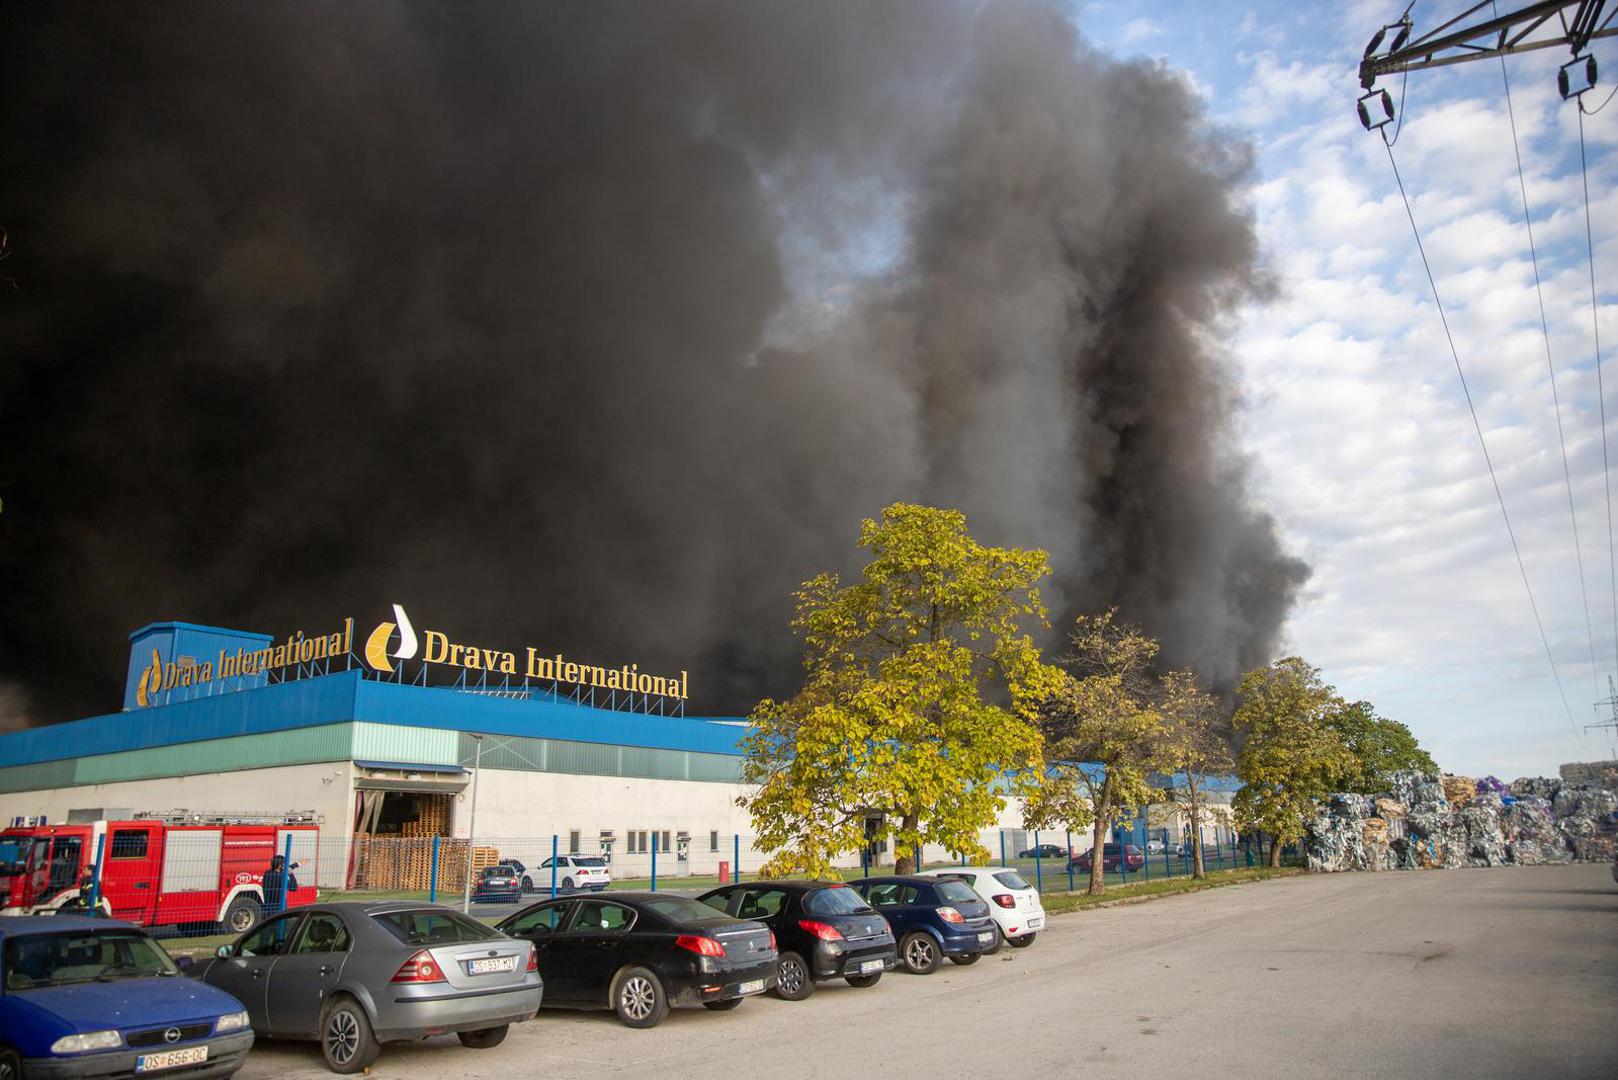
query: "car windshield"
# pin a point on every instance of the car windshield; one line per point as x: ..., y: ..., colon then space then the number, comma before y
x: 954, y: 892
x: 435, y: 927
x: 13, y: 855
x: 35, y: 960
x: 1012, y: 880
x: 589, y: 862
x: 680, y: 910
x: 837, y: 900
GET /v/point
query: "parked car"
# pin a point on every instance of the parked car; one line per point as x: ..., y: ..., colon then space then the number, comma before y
x: 1013, y: 903
x: 84, y: 997
x: 824, y: 929
x: 524, y: 878
x: 1155, y: 847
x: 578, y: 872
x: 356, y: 975
x: 1044, y: 851
x: 1132, y: 858
x: 500, y: 884
x: 932, y: 918
x: 641, y: 953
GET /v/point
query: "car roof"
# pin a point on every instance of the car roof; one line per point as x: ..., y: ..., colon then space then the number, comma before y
x: 798, y: 885
x: 374, y: 907
x: 25, y: 925
x: 896, y: 879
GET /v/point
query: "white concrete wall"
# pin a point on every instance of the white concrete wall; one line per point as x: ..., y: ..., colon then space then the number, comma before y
x: 326, y: 788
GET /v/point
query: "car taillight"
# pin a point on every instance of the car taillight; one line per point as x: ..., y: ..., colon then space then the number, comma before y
x: 1006, y: 900
x: 702, y: 946
x: 949, y: 914
x: 421, y: 968
x: 823, y: 931
x: 772, y: 939
x: 533, y: 960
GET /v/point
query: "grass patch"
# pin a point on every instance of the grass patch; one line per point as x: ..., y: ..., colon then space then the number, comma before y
x: 1061, y: 903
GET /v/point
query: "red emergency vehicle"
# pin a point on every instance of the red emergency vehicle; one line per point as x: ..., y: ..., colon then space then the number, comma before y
x: 171, y: 869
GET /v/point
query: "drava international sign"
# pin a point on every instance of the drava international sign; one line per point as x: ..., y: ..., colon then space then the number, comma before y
x: 398, y: 640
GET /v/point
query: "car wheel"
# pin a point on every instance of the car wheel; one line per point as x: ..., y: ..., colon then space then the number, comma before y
x: 346, y: 1040
x: 722, y: 1006
x: 10, y: 1064
x: 792, y: 979
x: 242, y: 915
x: 919, y: 953
x: 1021, y: 942
x: 863, y: 980
x: 527, y: 884
x: 638, y: 998
x: 483, y: 1038
x: 965, y: 959
x: 567, y: 884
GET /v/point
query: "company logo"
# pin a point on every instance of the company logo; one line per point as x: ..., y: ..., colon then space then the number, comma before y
x: 376, y: 646
x: 151, y: 681
x: 171, y: 1035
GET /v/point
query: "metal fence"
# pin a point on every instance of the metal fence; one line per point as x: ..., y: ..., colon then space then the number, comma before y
x: 202, y: 883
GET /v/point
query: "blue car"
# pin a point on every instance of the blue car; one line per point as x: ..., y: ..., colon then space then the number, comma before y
x: 91, y: 998
x: 932, y: 918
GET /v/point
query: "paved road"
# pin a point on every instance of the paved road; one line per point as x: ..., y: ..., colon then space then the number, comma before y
x: 1511, y: 972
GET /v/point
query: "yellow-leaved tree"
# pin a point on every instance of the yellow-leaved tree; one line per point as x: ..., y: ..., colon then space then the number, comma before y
x: 920, y: 688
x: 1196, y: 748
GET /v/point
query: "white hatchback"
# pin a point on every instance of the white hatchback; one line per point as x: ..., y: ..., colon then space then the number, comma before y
x: 1013, y: 903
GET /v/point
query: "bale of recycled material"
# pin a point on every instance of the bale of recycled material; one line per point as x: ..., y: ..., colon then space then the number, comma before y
x: 1459, y: 790
x: 1532, y: 838
x: 1540, y: 787
x: 1351, y: 805
x: 1491, y: 784
x: 1485, y: 844
x: 1333, y: 844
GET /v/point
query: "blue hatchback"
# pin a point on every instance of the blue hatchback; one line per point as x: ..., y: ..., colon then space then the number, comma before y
x: 932, y: 918
x: 94, y: 998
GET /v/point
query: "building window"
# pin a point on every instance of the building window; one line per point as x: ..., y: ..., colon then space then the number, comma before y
x: 644, y: 847
x: 713, y: 840
x: 128, y: 844
x: 665, y: 846
x: 573, y: 842
x: 629, y: 842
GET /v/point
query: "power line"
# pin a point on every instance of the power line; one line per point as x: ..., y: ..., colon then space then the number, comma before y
x: 1482, y: 442
x: 1556, y: 401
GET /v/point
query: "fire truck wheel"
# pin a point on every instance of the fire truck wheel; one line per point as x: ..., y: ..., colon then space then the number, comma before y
x: 242, y: 915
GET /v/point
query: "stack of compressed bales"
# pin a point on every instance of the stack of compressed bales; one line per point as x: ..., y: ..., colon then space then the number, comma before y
x: 1588, y: 817
x: 1534, y: 837
x: 1459, y: 790
x: 1485, y: 842
x: 1336, y: 838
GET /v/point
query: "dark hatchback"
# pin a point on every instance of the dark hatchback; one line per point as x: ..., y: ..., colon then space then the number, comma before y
x: 1130, y: 856
x: 825, y: 930
x: 932, y: 918
x: 641, y: 953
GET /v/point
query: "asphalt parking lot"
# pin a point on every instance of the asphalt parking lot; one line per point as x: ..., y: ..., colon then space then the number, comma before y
x: 1509, y: 972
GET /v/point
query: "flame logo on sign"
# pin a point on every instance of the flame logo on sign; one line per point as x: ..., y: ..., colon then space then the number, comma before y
x: 376, y: 646
x: 151, y: 681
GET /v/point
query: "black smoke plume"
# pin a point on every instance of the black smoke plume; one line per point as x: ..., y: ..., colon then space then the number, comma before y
x: 598, y: 326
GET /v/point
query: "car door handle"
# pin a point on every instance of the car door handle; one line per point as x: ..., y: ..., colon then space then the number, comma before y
x: 325, y: 969
x: 143, y: 884
x: 606, y: 944
x: 258, y: 973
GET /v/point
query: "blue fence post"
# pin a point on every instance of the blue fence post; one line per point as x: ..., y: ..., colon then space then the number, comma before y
x: 654, y: 861
x: 736, y: 859
x: 1123, y: 852
x: 286, y: 874
x: 553, y: 865
x: 1003, y: 848
x: 1070, y: 884
x: 1039, y: 880
x: 1167, y: 872
x: 432, y: 878
x: 865, y: 860
x: 95, y: 877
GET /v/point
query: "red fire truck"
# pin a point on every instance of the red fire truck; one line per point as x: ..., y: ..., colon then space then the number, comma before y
x: 172, y: 869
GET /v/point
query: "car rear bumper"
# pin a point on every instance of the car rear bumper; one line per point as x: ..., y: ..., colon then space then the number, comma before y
x: 724, y: 985
x: 225, y: 1055
x: 968, y: 940
x: 412, y: 1017
x: 833, y: 960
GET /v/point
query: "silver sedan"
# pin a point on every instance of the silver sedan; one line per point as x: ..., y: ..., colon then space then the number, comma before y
x: 356, y: 975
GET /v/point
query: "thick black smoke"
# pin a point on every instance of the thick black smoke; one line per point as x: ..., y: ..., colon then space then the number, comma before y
x: 599, y: 326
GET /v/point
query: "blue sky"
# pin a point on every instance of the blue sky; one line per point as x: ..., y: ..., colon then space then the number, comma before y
x: 1354, y: 415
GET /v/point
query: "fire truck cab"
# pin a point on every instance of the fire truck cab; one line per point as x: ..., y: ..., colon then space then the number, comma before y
x: 171, y: 869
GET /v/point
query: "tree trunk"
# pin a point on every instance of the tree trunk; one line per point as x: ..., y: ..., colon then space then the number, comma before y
x: 1275, y: 851
x: 904, y: 860
x: 1098, y: 832
x: 1197, y: 870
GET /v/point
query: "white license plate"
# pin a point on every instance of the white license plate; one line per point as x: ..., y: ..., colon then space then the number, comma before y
x: 1035, y: 923
x: 491, y: 965
x: 869, y: 966
x: 169, y: 1059
x: 754, y: 987
x: 984, y: 939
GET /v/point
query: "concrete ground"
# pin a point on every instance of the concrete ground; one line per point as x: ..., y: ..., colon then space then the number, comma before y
x: 1509, y: 972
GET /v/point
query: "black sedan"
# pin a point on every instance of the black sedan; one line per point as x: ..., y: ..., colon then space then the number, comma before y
x: 640, y: 953
x: 825, y: 929
x: 1044, y: 851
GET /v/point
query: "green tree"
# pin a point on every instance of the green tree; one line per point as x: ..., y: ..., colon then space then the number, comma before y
x: 1102, y: 734
x: 917, y: 702
x: 1195, y: 745
x: 1380, y: 747
x: 1290, y: 756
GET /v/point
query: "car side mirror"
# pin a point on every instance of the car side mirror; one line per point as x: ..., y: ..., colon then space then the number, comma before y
x: 223, y: 952
x: 184, y: 963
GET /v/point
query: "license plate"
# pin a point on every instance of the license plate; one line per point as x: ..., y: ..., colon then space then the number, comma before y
x: 170, y: 1059
x: 491, y: 965
x: 984, y: 939
x: 869, y: 966
x: 1035, y: 923
x: 754, y: 987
